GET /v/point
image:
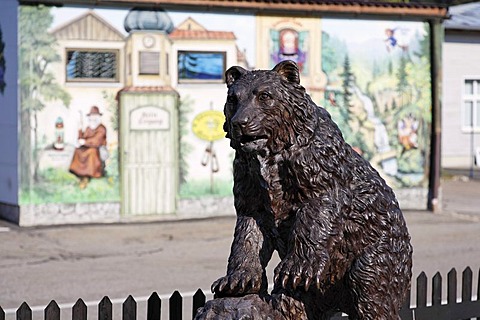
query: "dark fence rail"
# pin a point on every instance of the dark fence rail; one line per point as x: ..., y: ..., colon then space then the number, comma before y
x: 452, y: 308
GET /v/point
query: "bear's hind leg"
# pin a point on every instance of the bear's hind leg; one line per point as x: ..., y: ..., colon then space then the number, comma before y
x: 379, y: 282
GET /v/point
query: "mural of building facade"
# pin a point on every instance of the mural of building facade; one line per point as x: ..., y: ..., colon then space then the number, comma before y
x: 124, y: 109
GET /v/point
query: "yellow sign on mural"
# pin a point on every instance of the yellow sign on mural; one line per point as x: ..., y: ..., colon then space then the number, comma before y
x: 208, y: 125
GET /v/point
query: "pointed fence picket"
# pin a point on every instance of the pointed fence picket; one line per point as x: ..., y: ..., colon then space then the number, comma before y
x: 24, y: 312
x: 105, y: 309
x: 199, y: 300
x: 175, y: 305
x: 52, y: 311
x: 154, y: 307
x: 452, y: 308
x: 129, y: 309
x: 79, y: 310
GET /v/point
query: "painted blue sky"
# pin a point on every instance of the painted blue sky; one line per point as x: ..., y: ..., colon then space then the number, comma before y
x: 355, y: 32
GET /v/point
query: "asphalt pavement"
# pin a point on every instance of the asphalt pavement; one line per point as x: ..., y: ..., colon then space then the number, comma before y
x: 65, y: 263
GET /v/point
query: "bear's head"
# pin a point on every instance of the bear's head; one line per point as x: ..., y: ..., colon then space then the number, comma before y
x: 267, y: 109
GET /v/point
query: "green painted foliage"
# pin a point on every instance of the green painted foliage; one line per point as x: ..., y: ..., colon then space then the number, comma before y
x: 60, y: 186
x: 203, y: 188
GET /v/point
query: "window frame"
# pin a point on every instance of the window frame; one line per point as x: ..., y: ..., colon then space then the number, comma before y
x: 475, y: 99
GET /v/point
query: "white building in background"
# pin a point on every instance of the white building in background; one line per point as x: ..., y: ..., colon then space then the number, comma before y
x: 461, y: 88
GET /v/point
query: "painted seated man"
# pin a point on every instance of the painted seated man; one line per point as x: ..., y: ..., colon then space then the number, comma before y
x: 86, y: 162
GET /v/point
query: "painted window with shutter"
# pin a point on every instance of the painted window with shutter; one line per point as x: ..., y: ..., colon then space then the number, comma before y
x: 149, y: 63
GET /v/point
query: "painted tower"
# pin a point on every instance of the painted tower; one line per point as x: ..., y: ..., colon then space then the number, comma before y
x: 149, y: 143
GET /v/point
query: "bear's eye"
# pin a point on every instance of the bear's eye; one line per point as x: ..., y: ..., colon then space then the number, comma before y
x: 264, y: 96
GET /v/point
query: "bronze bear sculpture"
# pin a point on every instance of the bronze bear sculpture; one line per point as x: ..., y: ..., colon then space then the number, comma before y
x: 300, y: 189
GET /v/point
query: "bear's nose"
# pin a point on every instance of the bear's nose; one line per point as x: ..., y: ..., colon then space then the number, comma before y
x: 239, y: 125
x: 240, y: 121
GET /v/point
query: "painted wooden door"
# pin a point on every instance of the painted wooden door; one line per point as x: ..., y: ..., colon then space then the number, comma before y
x: 149, y: 152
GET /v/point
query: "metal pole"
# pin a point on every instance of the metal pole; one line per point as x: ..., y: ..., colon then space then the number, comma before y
x: 472, y: 151
x: 211, y: 167
x: 436, y: 37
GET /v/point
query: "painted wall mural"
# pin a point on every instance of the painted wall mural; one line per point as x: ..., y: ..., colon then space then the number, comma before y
x: 372, y: 76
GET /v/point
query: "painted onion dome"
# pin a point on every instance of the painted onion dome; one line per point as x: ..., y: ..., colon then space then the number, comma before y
x: 144, y: 19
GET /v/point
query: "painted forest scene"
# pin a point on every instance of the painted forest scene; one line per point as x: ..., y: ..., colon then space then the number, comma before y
x: 378, y: 92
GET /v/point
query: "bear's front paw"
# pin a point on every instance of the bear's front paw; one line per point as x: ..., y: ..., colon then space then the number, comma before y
x: 293, y: 272
x: 238, y: 283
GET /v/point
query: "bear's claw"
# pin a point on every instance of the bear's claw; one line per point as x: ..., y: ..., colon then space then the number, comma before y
x: 238, y: 283
x: 292, y: 272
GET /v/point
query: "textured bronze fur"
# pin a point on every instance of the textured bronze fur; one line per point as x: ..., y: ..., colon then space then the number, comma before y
x: 302, y: 190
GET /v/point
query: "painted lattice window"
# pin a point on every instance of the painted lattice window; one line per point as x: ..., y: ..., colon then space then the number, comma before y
x: 92, y: 65
x: 471, y: 105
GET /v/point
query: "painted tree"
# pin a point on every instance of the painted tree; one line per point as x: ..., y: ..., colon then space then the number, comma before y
x: 402, y: 82
x: 376, y: 72
x: 418, y: 76
x: 348, y: 118
x: 347, y: 82
x: 418, y: 79
x: 37, y: 82
x: 184, y: 110
x: 354, y: 130
x: 332, y: 47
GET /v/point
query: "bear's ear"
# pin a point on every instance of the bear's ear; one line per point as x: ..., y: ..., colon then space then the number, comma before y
x: 233, y: 74
x: 289, y: 70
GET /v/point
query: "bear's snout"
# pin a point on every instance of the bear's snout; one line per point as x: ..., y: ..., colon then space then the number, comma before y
x: 247, y: 131
x: 240, y: 124
x: 244, y: 122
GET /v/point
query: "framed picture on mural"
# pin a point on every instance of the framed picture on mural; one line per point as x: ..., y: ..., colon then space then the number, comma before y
x: 289, y: 44
x: 201, y: 66
x: 88, y: 65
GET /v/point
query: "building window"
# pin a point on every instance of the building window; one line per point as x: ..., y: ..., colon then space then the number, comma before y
x: 129, y: 64
x: 471, y: 105
x: 167, y: 62
x: 149, y: 63
x: 92, y: 65
x: 195, y: 66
